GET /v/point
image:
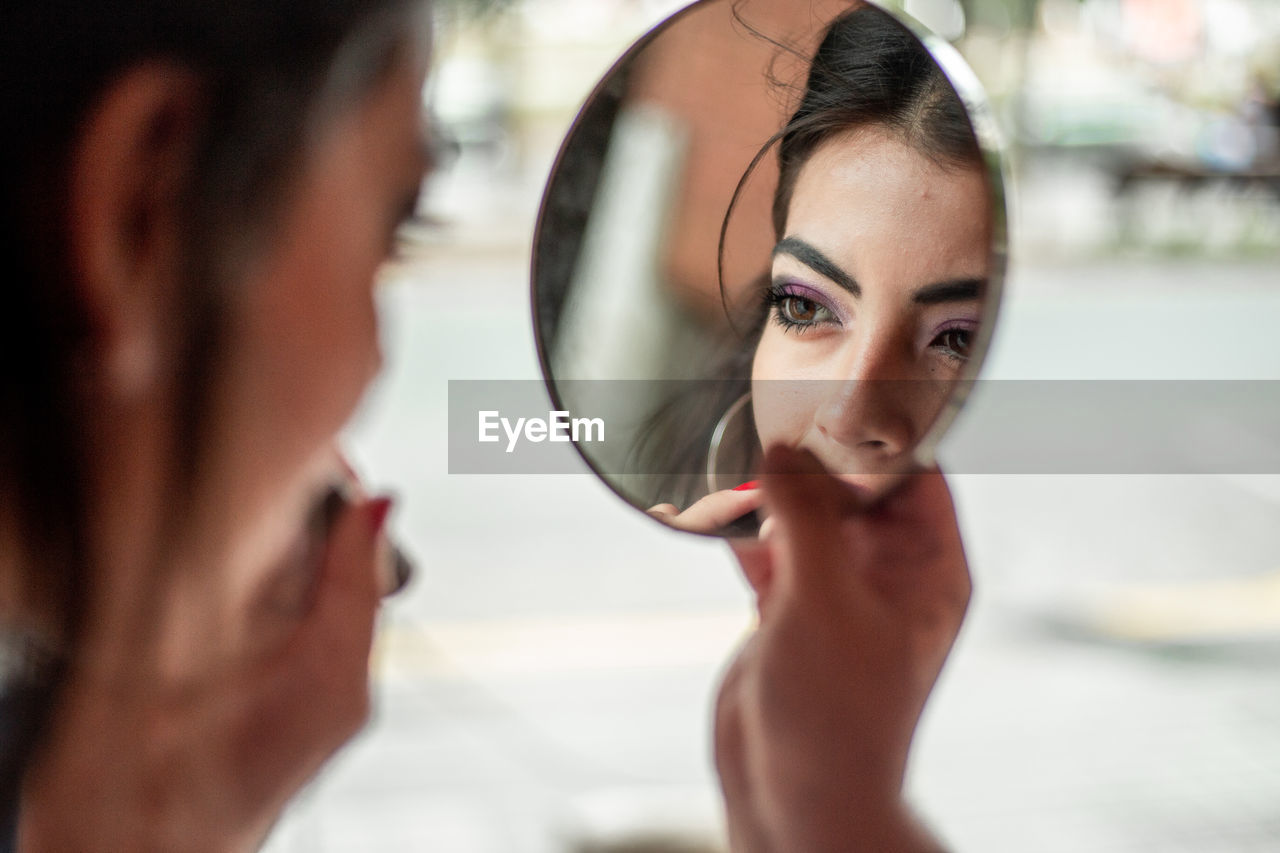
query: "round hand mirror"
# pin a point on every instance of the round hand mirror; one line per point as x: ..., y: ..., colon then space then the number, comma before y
x: 772, y: 222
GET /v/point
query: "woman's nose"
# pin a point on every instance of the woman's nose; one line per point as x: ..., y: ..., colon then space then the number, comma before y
x: 869, y: 407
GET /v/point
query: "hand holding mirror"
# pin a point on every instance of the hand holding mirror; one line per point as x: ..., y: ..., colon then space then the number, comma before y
x: 769, y: 225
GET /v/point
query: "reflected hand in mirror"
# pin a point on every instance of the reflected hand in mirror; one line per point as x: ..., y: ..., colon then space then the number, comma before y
x: 714, y: 511
x: 833, y: 291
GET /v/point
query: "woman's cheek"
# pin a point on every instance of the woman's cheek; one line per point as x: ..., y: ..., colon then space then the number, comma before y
x: 766, y: 390
x: 312, y: 345
x: 345, y: 350
x: 781, y: 415
x: 790, y: 382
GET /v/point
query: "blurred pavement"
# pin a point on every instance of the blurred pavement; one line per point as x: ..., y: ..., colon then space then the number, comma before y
x: 546, y: 682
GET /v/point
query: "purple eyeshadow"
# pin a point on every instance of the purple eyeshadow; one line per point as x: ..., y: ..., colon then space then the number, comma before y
x: 956, y: 323
x: 813, y: 294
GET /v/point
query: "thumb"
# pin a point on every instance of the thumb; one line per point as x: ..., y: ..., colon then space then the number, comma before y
x: 315, y: 694
x: 918, y: 524
x: 807, y: 507
x: 346, y: 596
x: 756, y: 559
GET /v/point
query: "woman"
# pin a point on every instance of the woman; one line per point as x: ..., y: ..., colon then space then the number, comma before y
x: 882, y: 219
x: 196, y: 200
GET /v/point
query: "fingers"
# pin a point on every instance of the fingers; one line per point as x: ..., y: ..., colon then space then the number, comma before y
x: 917, y: 522
x: 712, y: 512
x: 313, y: 695
x: 921, y: 496
x: 756, y: 559
x: 807, y: 507
x: 347, y: 591
x: 907, y: 547
x: 395, y: 569
x: 663, y: 512
x: 333, y: 643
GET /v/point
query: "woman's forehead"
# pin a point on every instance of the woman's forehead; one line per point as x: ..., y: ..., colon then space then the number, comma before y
x: 869, y: 199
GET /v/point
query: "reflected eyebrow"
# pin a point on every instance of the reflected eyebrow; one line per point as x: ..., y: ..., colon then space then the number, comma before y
x: 816, y: 261
x: 957, y: 290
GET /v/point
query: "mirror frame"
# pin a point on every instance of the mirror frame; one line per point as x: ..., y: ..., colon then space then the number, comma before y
x: 995, y: 159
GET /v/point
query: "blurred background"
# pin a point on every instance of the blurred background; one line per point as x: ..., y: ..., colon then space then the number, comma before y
x: 545, y: 685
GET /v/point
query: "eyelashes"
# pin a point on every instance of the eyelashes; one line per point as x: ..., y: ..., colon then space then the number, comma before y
x: 797, y: 308
x: 801, y: 309
x: 954, y: 343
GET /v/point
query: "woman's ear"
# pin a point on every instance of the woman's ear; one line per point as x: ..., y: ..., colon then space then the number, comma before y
x: 128, y: 170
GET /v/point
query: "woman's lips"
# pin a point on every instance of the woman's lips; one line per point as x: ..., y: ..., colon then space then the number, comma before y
x: 866, y: 483
x: 851, y: 471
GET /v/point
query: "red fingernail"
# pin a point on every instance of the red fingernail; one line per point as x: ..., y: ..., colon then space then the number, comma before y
x: 379, y: 509
x: 747, y: 486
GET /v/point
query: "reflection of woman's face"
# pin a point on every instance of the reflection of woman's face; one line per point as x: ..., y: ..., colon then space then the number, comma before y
x: 879, y: 276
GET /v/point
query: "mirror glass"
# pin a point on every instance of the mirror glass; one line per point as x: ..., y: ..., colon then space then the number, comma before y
x: 772, y: 222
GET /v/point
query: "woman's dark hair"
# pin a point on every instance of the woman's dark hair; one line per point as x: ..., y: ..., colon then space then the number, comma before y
x: 871, y: 71
x: 266, y: 68
x: 868, y: 71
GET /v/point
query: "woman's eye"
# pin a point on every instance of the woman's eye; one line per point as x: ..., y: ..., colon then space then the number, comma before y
x: 798, y: 311
x: 954, y: 343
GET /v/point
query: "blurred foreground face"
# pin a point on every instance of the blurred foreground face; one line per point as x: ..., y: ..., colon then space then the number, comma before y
x: 302, y: 336
x: 304, y: 339
x: 876, y: 292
